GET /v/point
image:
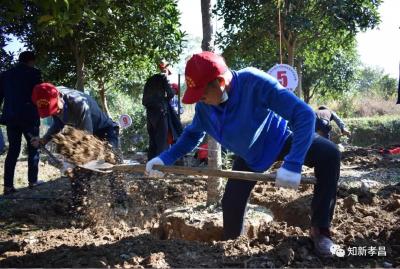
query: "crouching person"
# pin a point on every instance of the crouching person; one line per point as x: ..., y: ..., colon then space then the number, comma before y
x: 79, y: 110
x: 247, y: 112
x: 74, y: 108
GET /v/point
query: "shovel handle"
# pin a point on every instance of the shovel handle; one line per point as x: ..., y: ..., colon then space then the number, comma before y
x: 197, y: 171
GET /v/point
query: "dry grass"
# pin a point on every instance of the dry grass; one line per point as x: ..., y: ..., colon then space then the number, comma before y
x: 365, y: 106
x: 368, y: 107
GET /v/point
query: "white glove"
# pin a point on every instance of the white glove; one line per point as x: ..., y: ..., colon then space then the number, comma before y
x: 149, y: 168
x: 287, y: 179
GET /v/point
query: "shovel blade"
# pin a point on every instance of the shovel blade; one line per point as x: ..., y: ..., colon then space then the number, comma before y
x: 100, y: 166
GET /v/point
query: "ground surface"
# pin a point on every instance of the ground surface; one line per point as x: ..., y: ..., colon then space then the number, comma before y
x: 42, y: 232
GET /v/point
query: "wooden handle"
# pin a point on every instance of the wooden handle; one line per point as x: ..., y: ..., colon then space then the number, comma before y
x: 197, y: 171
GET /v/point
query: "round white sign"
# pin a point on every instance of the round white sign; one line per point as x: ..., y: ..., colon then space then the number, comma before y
x: 286, y: 75
x: 125, y: 121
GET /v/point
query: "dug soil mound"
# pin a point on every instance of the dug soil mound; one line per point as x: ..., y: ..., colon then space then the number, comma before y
x: 365, y: 158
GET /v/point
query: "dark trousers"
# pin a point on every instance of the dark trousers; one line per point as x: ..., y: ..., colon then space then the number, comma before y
x: 323, y: 155
x: 14, y: 134
x: 157, y: 128
x: 111, y: 134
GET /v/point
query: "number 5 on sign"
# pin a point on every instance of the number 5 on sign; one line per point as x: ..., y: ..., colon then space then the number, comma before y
x: 282, y: 78
x: 286, y: 75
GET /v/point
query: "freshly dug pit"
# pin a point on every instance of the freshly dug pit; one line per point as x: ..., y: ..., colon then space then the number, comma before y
x: 201, y: 223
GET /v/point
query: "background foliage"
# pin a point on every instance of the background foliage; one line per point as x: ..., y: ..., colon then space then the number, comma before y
x: 110, y: 47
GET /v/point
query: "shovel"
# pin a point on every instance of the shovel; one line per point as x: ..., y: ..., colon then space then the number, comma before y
x: 104, y: 167
x: 53, y: 160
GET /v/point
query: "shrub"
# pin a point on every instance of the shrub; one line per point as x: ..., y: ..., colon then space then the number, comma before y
x: 133, y: 138
x: 374, y: 130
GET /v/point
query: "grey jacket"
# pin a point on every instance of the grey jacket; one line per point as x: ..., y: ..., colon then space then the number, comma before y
x: 328, y: 115
x: 80, y: 111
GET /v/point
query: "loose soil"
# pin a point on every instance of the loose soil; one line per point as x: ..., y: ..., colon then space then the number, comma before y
x: 42, y: 230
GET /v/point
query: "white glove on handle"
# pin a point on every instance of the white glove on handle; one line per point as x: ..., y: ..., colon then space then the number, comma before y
x: 149, y: 168
x: 287, y: 179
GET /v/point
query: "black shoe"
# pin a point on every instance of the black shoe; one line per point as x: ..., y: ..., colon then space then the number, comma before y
x: 34, y: 184
x: 9, y: 190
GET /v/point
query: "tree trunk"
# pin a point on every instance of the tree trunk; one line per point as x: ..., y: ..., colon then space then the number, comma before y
x: 80, y: 65
x: 207, y: 42
x: 214, y: 185
x: 300, y: 86
x: 103, y: 98
x: 291, y: 46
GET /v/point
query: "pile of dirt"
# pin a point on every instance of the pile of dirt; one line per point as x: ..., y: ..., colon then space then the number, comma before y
x: 366, y: 158
x: 364, y: 220
x: 79, y: 147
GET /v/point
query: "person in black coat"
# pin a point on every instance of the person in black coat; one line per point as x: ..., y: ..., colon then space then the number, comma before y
x: 20, y: 116
x: 161, y: 119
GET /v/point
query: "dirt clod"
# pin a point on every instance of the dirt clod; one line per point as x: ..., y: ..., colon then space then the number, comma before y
x: 350, y: 201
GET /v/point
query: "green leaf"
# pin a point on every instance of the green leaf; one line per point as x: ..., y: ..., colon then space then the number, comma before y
x: 66, y: 2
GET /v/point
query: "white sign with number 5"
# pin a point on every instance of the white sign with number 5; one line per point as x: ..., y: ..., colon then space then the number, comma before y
x: 286, y: 75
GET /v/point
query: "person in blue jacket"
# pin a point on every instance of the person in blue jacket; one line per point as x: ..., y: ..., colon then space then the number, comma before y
x: 20, y: 117
x: 248, y: 112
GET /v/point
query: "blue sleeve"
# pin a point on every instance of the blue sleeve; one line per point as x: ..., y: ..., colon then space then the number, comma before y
x: 191, y: 137
x: 300, y: 116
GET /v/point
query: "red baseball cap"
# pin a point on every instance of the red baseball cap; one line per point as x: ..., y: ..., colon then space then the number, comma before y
x: 45, y: 97
x: 201, y: 69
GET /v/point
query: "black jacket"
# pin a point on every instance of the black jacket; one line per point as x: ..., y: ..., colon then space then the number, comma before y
x: 16, y: 85
x: 157, y: 92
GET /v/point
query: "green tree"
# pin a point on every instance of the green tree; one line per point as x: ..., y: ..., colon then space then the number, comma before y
x: 374, y: 81
x: 6, y: 58
x: 96, y: 40
x: 321, y: 27
x: 328, y: 76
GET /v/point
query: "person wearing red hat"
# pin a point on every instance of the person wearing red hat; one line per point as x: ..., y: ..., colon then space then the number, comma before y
x: 164, y: 67
x: 20, y: 116
x: 160, y: 118
x: 71, y: 107
x: 248, y: 112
